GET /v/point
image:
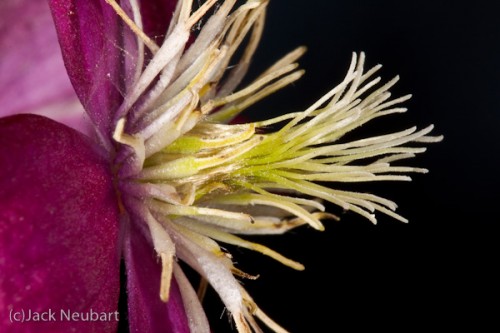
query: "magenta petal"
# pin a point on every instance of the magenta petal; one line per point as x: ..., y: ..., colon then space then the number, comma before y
x: 88, y: 32
x: 147, y: 313
x: 58, y: 228
x: 32, y: 74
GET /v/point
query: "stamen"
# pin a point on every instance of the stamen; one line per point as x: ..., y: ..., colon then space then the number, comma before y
x: 182, y: 80
x: 137, y: 30
x: 234, y: 240
x: 282, y: 203
x: 238, y: 31
x: 135, y: 142
x: 202, y: 288
x: 232, y: 110
x: 190, y: 144
x: 209, y: 32
x: 199, y: 212
x: 170, y: 48
x: 165, y: 77
x: 197, y: 320
x: 214, y: 270
x: 167, y: 113
x: 256, y: 311
x: 268, y: 321
x: 166, y: 276
x: 241, y: 323
x: 288, y: 59
x: 181, y: 14
x: 165, y: 248
x: 200, y: 13
x: 209, y: 106
x: 169, y: 131
x: 136, y: 12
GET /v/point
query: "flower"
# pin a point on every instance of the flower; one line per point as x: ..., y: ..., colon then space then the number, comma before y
x: 170, y: 172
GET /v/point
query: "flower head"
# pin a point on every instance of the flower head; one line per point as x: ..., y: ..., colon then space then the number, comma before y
x: 162, y: 97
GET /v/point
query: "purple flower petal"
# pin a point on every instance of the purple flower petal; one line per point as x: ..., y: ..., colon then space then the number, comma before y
x: 147, y: 313
x: 32, y: 74
x: 88, y: 32
x: 58, y: 228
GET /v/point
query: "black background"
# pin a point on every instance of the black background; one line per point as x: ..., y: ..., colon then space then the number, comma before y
x: 438, y: 271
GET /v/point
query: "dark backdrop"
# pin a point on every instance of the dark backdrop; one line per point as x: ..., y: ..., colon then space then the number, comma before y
x: 437, y: 272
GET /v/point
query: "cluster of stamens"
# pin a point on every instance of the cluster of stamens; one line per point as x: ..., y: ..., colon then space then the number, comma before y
x: 194, y: 179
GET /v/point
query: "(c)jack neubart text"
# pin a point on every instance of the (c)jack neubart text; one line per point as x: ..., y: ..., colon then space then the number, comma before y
x: 51, y: 315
